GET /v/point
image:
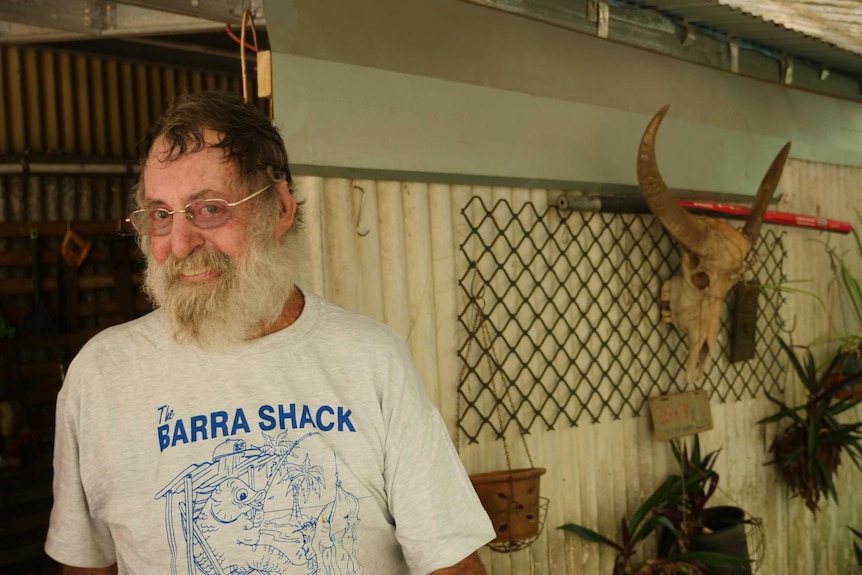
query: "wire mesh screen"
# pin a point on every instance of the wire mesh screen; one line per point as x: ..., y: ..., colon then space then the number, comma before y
x: 563, y: 325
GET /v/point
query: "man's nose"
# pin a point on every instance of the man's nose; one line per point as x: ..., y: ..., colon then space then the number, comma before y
x: 185, y: 236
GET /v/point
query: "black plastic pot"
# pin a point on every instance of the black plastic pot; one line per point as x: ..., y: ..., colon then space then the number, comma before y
x: 728, y: 537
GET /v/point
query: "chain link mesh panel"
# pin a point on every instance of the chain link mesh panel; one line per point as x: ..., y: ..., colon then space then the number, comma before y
x: 562, y: 320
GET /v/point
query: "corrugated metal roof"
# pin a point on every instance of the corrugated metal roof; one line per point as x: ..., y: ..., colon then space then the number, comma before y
x: 827, y: 32
x: 837, y: 22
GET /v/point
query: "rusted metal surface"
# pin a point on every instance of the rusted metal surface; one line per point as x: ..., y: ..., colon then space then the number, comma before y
x: 67, y: 100
x: 50, y: 104
x: 34, y: 113
x: 15, y: 119
x: 74, y: 105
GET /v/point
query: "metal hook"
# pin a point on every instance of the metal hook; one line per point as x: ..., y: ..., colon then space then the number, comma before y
x: 359, y: 216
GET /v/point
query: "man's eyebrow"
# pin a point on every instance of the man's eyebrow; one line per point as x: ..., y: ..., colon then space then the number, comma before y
x: 205, y: 194
x: 150, y: 203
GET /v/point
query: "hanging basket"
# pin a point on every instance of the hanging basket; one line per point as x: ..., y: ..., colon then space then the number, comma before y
x: 511, y: 498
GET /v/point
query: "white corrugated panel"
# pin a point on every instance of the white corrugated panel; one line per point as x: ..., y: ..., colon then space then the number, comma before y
x: 395, y: 257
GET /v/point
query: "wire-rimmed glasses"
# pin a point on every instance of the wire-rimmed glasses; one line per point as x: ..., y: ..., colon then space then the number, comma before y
x: 205, y: 214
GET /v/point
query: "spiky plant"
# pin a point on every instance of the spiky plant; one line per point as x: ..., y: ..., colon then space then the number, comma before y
x: 643, y: 523
x: 851, y: 291
x: 697, y: 483
x: 849, y: 333
x: 808, y: 451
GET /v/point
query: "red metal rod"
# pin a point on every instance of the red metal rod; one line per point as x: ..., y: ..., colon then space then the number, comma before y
x: 637, y: 205
x: 772, y: 217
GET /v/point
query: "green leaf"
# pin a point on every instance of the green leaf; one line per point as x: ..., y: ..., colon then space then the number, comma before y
x: 674, y: 447
x: 709, y: 460
x: 695, y: 450
x: 841, y: 407
x: 786, y: 412
x: 590, y: 535
x: 625, y: 534
x: 851, y: 286
x: 855, y: 452
x: 793, y: 455
x: 795, y: 362
x: 811, y: 372
x: 824, y: 479
x: 649, y: 526
x: 658, y: 498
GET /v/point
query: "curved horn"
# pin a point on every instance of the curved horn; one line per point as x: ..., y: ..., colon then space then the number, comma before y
x: 686, y: 228
x: 764, y: 195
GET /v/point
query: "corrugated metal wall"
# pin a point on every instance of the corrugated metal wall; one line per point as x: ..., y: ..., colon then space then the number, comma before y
x: 59, y: 102
x: 396, y: 258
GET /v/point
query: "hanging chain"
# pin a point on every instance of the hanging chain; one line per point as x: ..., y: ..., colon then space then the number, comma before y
x: 494, y: 368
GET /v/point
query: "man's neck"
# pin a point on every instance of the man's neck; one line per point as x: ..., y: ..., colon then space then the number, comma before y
x: 289, y: 314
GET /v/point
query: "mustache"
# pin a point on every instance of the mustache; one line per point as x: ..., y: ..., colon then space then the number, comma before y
x: 174, y: 266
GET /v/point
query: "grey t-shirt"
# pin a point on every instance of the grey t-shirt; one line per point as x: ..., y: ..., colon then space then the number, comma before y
x: 311, y: 450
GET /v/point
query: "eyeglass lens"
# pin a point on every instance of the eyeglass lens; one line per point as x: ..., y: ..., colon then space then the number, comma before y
x: 203, y: 213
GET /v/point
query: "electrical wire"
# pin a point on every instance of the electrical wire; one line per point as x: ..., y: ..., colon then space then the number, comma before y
x: 236, y: 38
x: 247, y: 17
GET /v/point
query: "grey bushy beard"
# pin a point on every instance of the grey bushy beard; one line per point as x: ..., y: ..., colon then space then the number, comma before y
x: 247, y: 296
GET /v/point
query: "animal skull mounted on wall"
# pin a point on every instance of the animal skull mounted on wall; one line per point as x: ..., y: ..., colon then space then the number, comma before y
x: 714, y: 252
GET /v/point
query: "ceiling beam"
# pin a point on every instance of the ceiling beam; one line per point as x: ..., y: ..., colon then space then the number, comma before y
x: 80, y: 16
x: 57, y: 20
x: 223, y: 11
x: 54, y: 20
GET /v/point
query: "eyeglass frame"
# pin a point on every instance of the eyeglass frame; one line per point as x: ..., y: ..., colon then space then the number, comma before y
x: 190, y: 215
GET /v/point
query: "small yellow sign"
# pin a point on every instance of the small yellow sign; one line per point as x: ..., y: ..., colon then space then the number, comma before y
x: 679, y: 414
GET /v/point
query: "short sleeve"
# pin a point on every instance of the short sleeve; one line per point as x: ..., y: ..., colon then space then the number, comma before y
x: 75, y: 538
x: 438, y: 517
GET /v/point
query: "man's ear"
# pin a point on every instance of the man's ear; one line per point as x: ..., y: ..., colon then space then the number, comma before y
x: 287, y: 209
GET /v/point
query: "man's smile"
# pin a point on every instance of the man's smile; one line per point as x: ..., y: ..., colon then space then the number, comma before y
x: 198, y: 276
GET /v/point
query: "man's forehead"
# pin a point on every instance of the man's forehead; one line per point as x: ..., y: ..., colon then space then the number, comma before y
x: 193, y: 175
x: 164, y: 151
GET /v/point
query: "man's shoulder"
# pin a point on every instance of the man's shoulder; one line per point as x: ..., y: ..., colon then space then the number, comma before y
x: 355, y: 325
x: 147, y: 329
x: 119, y: 348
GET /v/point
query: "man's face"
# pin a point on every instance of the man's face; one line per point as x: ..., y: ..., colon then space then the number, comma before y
x: 222, y: 285
x: 174, y: 184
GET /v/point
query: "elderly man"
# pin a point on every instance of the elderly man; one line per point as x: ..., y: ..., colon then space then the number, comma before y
x: 247, y: 426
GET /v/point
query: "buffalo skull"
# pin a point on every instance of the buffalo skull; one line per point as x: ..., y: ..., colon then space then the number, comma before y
x: 714, y: 252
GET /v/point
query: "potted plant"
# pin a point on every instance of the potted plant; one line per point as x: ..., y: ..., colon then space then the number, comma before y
x: 808, y: 451
x: 698, y: 482
x: 698, y: 528
x: 643, y: 523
